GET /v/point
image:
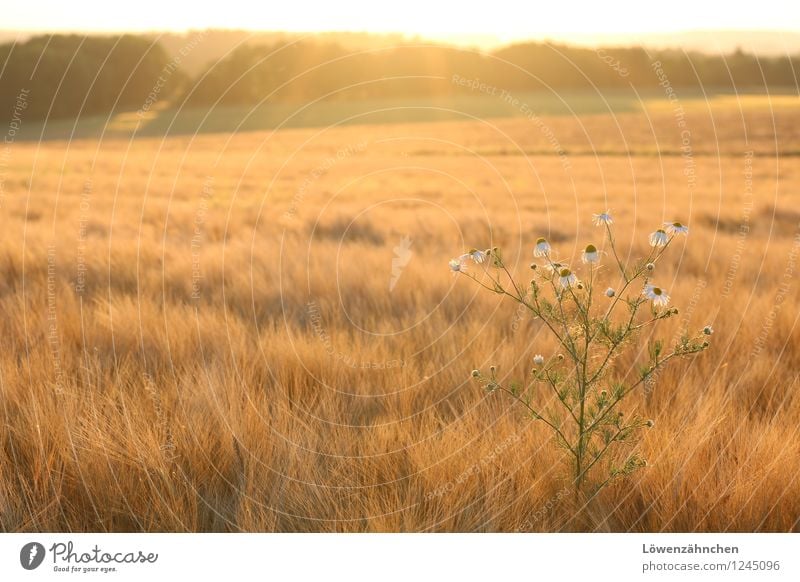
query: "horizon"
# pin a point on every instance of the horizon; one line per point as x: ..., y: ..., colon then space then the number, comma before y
x: 615, y: 22
x: 766, y: 42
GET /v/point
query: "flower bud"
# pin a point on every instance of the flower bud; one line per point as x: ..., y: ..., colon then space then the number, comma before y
x: 650, y: 267
x: 476, y: 373
x: 610, y: 292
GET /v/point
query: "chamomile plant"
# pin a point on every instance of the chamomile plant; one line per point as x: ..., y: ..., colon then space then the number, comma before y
x: 578, y: 392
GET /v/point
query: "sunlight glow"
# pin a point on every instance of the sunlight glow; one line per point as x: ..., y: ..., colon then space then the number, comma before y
x: 504, y: 20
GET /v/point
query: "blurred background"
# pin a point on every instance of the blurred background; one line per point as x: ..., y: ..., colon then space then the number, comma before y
x: 304, y: 65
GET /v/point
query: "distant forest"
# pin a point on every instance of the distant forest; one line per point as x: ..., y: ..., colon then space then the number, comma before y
x: 64, y: 76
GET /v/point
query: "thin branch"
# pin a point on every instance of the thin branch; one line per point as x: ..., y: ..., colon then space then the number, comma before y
x: 536, y: 415
x: 601, y: 453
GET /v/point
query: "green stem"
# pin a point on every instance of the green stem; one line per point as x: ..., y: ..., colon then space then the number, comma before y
x: 536, y: 415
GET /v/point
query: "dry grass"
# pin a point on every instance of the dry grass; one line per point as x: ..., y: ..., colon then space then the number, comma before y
x: 298, y: 393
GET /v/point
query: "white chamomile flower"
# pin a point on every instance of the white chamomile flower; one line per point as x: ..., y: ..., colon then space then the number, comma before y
x: 676, y: 228
x: 657, y: 295
x: 610, y: 292
x: 457, y: 265
x: 659, y: 238
x: 478, y: 256
x: 602, y: 219
x: 542, y: 248
x: 538, y: 359
x: 590, y: 255
x: 567, y: 278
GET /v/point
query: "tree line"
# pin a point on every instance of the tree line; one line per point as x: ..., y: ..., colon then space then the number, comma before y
x: 65, y: 76
x: 308, y: 70
x: 70, y: 75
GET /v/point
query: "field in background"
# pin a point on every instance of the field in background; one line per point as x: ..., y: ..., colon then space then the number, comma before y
x: 258, y: 331
x: 479, y: 104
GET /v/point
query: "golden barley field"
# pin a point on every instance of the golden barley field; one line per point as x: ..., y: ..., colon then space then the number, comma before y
x: 258, y: 331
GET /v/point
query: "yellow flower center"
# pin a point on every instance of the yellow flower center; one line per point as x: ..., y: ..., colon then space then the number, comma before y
x: 591, y: 249
x: 540, y: 241
x: 656, y: 291
x: 565, y: 272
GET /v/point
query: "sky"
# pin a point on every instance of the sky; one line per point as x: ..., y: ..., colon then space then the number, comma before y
x: 505, y: 20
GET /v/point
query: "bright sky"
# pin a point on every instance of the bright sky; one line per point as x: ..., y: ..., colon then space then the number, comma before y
x: 504, y: 19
